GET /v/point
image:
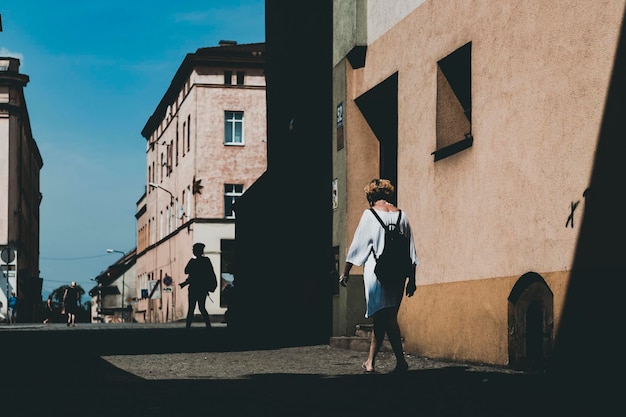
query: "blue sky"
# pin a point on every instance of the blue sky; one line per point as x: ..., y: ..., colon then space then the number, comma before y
x: 98, y: 69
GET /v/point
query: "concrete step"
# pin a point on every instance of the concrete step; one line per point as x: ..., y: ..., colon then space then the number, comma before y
x: 355, y: 343
x: 364, y: 330
x: 360, y: 342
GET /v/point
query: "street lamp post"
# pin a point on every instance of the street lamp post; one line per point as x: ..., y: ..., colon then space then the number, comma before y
x: 123, y: 283
x: 153, y: 185
x: 169, y: 223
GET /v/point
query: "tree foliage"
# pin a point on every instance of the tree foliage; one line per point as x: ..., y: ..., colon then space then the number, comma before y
x: 57, y: 305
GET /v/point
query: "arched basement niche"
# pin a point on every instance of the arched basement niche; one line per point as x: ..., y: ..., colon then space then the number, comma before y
x: 531, y: 323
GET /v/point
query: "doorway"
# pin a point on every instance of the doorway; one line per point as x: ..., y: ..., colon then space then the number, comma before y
x: 530, y: 323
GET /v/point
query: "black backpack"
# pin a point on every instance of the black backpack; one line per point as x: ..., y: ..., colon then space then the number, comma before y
x: 201, y: 274
x: 394, y: 265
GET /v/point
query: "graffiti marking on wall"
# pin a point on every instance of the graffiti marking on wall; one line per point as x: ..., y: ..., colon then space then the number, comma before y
x: 573, y: 206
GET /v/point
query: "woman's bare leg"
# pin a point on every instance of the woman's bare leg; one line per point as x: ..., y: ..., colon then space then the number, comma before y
x: 378, y: 336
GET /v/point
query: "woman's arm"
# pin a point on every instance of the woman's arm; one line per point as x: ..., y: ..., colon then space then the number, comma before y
x: 343, y: 278
x: 410, y: 286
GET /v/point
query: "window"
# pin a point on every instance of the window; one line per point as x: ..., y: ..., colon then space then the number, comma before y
x: 454, y: 103
x: 182, y: 211
x: 188, y: 203
x: 228, y: 77
x: 231, y: 193
x: 240, y: 77
x: 184, y: 136
x: 168, y: 220
x: 168, y: 158
x: 162, y: 165
x: 233, y: 128
x: 188, y: 133
x: 161, y: 225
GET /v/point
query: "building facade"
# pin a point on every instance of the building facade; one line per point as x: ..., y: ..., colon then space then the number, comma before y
x: 205, y: 146
x: 114, y: 296
x: 20, y: 196
x: 486, y: 115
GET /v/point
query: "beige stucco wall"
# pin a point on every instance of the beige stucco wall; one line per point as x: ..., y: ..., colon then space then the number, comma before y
x: 487, y: 215
x: 217, y: 164
x: 467, y: 320
x: 387, y: 13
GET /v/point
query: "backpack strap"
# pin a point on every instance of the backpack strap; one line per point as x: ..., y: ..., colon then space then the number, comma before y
x: 378, y: 218
x: 384, y: 225
x: 399, y: 217
x: 381, y: 221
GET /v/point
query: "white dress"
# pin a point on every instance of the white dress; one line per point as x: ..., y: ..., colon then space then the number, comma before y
x: 370, y: 234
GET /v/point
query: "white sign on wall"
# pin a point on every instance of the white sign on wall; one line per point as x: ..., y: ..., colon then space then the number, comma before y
x: 154, y: 289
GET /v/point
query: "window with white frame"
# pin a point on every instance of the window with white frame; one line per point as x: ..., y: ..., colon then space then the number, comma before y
x: 233, y: 128
x: 232, y: 192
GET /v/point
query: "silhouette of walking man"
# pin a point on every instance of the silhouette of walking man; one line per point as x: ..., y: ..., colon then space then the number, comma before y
x: 70, y: 303
x: 201, y: 280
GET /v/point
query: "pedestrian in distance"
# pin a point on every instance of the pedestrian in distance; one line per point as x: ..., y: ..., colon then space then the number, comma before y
x: 12, y: 313
x: 71, y: 303
x: 382, y: 300
x: 49, y: 310
x: 201, y: 280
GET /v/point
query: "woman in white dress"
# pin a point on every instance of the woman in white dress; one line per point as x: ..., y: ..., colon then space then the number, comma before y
x: 382, y: 302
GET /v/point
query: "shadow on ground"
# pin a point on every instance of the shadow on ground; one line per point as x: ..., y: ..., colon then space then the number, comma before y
x: 63, y: 373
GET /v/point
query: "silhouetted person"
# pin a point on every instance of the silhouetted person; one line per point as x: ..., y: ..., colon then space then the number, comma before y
x: 201, y: 280
x: 70, y: 303
x: 49, y: 311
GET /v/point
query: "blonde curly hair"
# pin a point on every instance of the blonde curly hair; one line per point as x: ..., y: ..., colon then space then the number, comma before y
x: 379, y: 189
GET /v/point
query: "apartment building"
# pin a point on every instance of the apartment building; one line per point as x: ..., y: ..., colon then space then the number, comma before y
x: 205, y: 146
x: 487, y: 116
x: 20, y: 196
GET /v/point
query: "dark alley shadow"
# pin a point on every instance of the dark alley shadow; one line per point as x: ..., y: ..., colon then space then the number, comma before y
x: 100, y: 389
x: 63, y: 371
x: 589, y: 346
